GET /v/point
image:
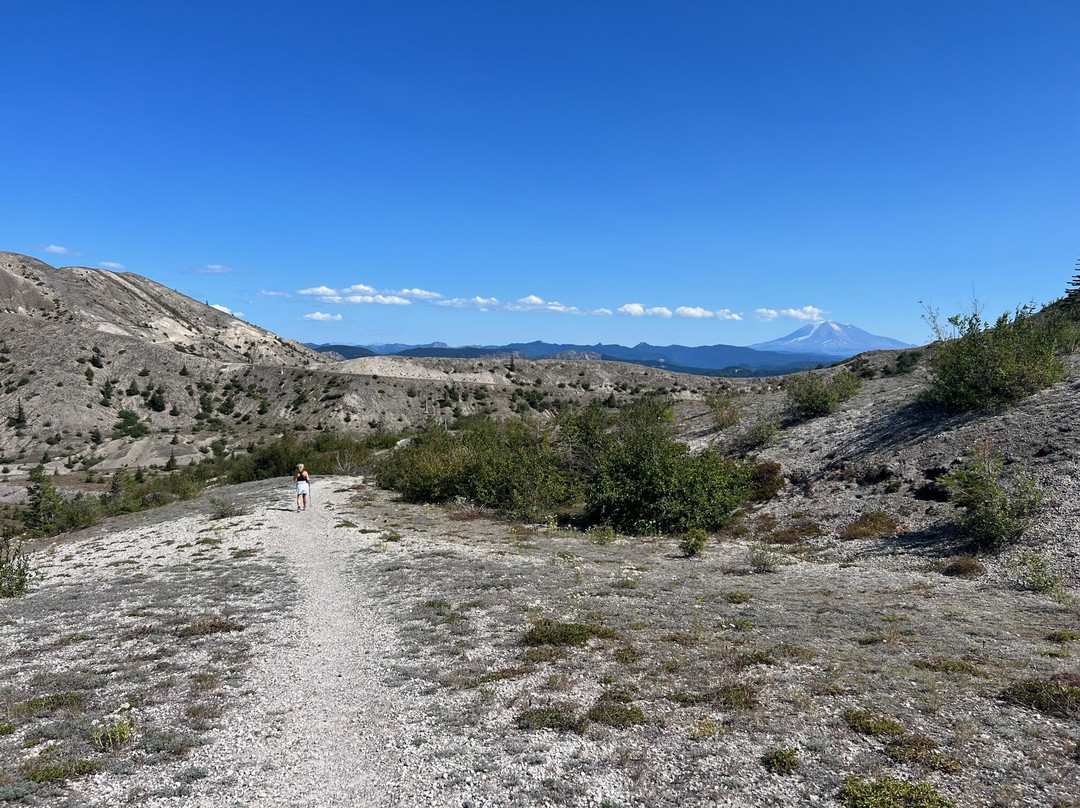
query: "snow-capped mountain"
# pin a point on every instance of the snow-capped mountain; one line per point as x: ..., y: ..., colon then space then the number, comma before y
x: 829, y: 337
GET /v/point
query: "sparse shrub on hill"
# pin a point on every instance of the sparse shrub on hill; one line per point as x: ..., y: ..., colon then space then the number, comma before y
x: 129, y: 425
x: 643, y: 480
x: 725, y: 409
x: 625, y: 464
x: 812, y: 394
x: 978, y: 366
x: 508, y: 465
x: 14, y: 568
x: 994, y: 514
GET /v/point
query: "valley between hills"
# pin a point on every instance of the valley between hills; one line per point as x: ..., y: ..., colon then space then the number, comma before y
x: 841, y: 637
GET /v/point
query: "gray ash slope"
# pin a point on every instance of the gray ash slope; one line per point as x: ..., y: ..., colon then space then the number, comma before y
x: 129, y: 305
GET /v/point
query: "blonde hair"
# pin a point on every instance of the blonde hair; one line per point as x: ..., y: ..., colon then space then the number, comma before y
x: 299, y: 466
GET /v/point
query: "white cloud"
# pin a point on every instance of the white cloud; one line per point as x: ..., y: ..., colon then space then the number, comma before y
x: 805, y: 313
x: 728, y: 314
x: 482, y: 303
x: 529, y: 303
x: 536, y: 303
x: 322, y: 291
x: 386, y: 300
x: 809, y: 313
x: 219, y: 307
x: 694, y: 312
x: 359, y: 289
x: 212, y: 269
x: 637, y: 310
x: 112, y: 265
x: 56, y: 249
x: 269, y: 293
x: 320, y: 317
x: 419, y: 294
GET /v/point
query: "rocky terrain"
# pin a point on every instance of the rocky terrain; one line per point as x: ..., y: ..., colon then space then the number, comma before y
x: 380, y: 653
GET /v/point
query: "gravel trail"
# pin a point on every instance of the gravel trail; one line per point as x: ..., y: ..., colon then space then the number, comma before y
x: 318, y: 728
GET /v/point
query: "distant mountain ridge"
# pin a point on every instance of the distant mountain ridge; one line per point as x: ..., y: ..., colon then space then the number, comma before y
x: 832, y: 339
x: 804, y: 348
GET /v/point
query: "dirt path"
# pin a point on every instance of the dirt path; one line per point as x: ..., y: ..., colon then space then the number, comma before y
x: 317, y: 726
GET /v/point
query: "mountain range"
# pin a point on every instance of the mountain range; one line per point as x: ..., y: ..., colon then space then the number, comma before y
x: 817, y: 343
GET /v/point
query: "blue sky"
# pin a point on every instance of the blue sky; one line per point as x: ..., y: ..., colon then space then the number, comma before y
x: 486, y: 172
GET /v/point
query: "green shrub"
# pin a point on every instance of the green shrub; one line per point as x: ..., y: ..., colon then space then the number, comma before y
x: 644, y: 481
x: 923, y: 750
x: 14, y: 569
x: 812, y: 394
x: 507, y: 465
x: 693, y: 543
x: 890, y: 793
x: 1036, y: 573
x: 866, y: 723
x: 905, y: 363
x: 80, y: 511
x: 551, y: 632
x: 1058, y: 696
x: 626, y: 464
x: 725, y: 408
x: 620, y: 716
x: 977, y: 366
x: 129, y: 425
x: 873, y: 525
x: 59, y: 771
x: 781, y: 761
x: 550, y: 718
x: 993, y: 515
x: 766, y: 481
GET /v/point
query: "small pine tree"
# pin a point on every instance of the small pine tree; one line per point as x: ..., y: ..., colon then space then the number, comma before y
x: 171, y: 464
x: 156, y: 402
x: 1072, y: 292
x: 18, y: 420
x: 43, y: 501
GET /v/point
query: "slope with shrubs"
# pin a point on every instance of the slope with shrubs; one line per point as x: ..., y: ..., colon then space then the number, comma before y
x: 979, y: 366
x: 623, y: 468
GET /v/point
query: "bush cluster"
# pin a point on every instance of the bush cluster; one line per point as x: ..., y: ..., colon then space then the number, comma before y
x: 993, y: 515
x: 812, y: 394
x: 506, y: 465
x: 978, y: 366
x: 624, y: 466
